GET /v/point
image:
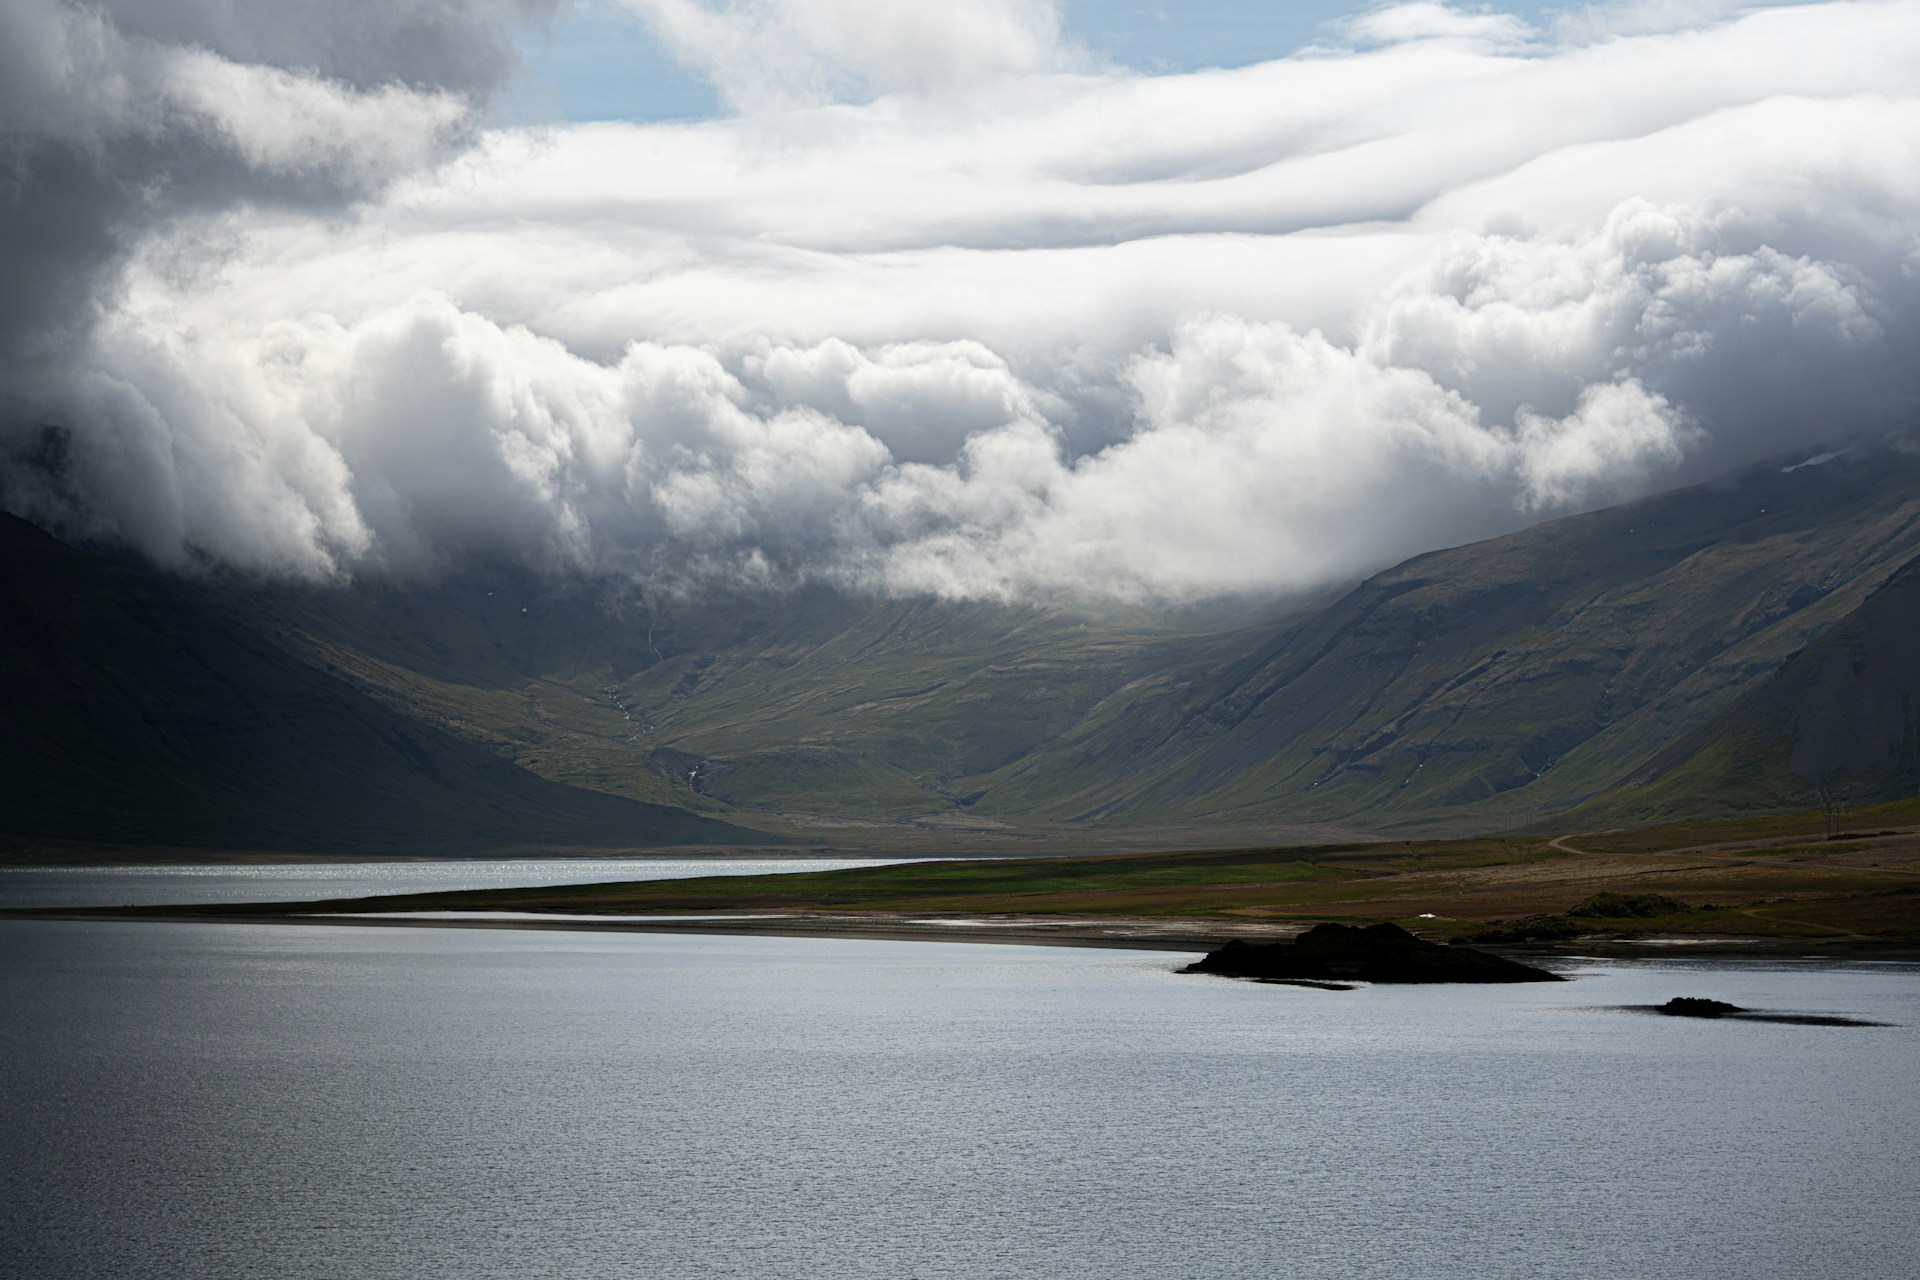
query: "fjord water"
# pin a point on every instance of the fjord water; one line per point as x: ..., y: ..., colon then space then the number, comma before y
x: 294, y: 1101
x: 302, y: 881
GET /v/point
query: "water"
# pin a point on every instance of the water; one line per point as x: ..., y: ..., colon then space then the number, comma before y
x: 292, y: 882
x: 323, y: 1101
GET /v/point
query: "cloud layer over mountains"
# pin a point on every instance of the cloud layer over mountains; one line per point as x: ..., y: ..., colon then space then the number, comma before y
x: 945, y: 306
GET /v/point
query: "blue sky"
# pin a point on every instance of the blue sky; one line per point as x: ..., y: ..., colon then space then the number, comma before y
x: 601, y: 64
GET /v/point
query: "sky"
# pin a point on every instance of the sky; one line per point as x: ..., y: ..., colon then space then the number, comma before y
x: 601, y: 60
x: 1014, y: 300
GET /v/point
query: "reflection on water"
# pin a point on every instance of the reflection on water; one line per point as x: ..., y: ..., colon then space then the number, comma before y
x: 229, y: 1101
x: 146, y: 886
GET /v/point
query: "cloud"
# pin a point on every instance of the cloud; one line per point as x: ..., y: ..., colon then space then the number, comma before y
x: 1082, y: 333
x: 765, y: 54
x: 1617, y: 435
x: 1598, y: 22
x: 1400, y: 23
x: 118, y: 118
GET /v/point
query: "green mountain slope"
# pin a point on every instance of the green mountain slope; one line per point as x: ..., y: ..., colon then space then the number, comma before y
x: 140, y: 713
x: 1842, y: 717
x: 815, y: 705
x: 1481, y: 687
x: 1489, y: 684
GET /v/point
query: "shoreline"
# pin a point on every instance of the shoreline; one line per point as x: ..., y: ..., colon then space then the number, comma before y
x: 1061, y: 935
x: 1173, y: 934
x: 121, y: 860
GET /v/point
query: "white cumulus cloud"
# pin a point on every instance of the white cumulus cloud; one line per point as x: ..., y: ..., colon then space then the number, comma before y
x: 1010, y: 326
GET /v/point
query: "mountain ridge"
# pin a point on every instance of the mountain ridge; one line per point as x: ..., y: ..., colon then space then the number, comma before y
x: 1473, y: 688
x: 1523, y: 655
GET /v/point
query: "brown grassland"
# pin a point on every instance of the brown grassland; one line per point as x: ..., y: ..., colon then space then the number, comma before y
x: 1773, y: 880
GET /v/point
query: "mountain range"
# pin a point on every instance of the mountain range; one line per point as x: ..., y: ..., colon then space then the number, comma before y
x: 1738, y: 646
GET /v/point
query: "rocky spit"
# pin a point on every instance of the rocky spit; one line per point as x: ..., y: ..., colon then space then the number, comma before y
x: 1332, y: 953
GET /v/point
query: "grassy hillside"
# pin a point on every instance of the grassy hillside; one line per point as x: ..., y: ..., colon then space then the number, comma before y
x: 810, y: 706
x: 1840, y: 718
x: 1480, y: 688
x: 1595, y: 661
x: 1492, y: 684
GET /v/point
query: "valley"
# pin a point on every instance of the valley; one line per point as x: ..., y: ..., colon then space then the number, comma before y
x: 1739, y: 647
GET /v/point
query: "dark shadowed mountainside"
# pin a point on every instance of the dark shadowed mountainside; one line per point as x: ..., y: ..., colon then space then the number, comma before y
x: 815, y: 705
x: 1630, y: 657
x: 1485, y: 686
x: 1492, y: 684
x: 1841, y: 716
x: 141, y: 713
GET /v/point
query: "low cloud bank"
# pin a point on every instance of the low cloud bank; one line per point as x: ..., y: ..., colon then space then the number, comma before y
x: 997, y: 324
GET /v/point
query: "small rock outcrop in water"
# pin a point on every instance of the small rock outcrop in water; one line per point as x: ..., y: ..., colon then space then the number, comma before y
x: 1376, y: 953
x: 1697, y: 1007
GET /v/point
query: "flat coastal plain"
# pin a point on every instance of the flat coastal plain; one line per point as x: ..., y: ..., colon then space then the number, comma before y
x: 1782, y: 885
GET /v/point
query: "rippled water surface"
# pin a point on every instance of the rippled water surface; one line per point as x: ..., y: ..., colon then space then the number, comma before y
x: 267, y: 1101
x: 145, y: 886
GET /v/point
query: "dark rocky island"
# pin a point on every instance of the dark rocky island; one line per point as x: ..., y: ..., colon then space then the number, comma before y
x: 1697, y: 1007
x: 1375, y: 953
